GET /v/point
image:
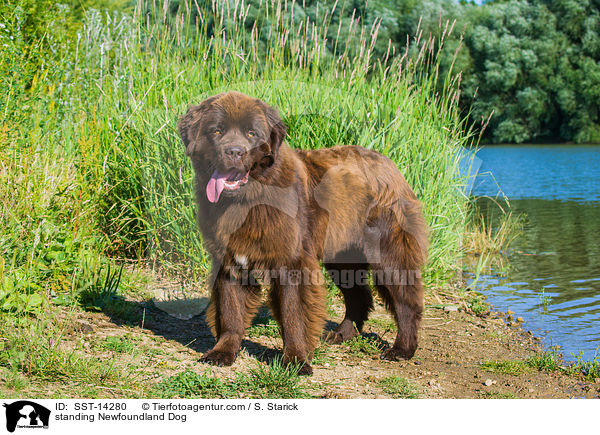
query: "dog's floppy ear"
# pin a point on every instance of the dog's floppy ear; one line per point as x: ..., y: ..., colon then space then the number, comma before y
x: 189, y: 126
x: 278, y: 129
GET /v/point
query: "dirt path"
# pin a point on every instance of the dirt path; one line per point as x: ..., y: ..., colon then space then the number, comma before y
x: 453, y: 345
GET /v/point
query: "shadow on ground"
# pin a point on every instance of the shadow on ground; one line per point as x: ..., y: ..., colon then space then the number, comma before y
x: 193, y: 332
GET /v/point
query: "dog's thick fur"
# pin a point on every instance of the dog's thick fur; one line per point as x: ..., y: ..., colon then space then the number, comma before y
x: 347, y: 206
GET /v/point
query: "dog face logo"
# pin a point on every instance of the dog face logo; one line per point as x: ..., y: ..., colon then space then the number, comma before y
x: 26, y: 414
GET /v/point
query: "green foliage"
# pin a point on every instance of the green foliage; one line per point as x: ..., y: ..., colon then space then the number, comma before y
x: 100, y: 293
x: 14, y: 380
x: 534, y: 64
x: 264, y: 328
x: 496, y: 395
x: 544, y: 301
x: 193, y: 385
x: 506, y: 366
x: 386, y: 323
x: 33, y: 347
x: 264, y: 381
x: 361, y: 346
x: 477, y: 304
x: 13, y: 300
x: 590, y: 370
x: 273, y: 380
x: 321, y: 355
x: 91, y: 165
x: 120, y: 344
x: 398, y: 388
x: 546, y: 361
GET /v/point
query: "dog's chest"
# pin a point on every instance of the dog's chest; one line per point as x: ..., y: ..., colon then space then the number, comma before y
x: 260, y: 234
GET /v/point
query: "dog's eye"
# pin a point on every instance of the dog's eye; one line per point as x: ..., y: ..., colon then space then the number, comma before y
x: 217, y: 131
x: 251, y: 133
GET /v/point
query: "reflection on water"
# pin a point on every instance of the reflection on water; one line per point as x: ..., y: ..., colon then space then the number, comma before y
x: 554, y: 277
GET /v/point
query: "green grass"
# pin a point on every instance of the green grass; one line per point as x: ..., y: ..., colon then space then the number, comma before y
x: 590, y: 370
x: 273, y: 380
x: 386, y: 323
x: 398, y: 388
x: 496, y: 395
x: 493, y: 334
x: 120, y: 344
x: 100, y: 293
x: 506, y: 366
x: 93, y: 167
x: 364, y: 346
x: 264, y: 381
x: 36, y: 349
x: 93, y: 174
x: 193, y: 385
x: 477, y: 304
x: 544, y: 301
x: 546, y: 361
x: 13, y: 380
x: 487, y: 238
x: 264, y: 328
x: 494, y: 234
x: 321, y: 355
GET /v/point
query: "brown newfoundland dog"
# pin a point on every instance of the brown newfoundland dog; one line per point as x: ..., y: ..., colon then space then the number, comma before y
x: 269, y: 214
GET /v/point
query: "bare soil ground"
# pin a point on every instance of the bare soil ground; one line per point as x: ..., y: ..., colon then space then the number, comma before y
x: 448, y: 363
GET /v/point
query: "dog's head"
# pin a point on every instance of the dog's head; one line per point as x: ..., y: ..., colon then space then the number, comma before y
x: 231, y: 137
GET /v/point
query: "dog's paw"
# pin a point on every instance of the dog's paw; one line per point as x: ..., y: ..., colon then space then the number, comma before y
x: 344, y: 332
x: 218, y: 358
x: 305, y: 370
x: 332, y: 337
x: 302, y: 366
x: 395, y: 354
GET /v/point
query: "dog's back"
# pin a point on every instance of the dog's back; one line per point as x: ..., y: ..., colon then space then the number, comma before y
x: 352, y: 190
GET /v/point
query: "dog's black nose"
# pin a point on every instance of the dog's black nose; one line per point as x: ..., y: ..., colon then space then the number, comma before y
x: 235, y: 151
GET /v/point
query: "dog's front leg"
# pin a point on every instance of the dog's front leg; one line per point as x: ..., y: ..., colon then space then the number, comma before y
x: 298, y: 303
x: 232, y: 306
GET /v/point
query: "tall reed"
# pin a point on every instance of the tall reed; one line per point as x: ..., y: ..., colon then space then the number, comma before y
x: 122, y: 84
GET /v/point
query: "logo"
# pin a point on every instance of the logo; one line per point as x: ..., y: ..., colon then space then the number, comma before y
x: 26, y: 414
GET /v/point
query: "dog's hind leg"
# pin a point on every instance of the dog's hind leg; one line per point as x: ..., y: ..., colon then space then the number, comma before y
x: 397, y: 278
x: 406, y: 304
x: 352, y: 280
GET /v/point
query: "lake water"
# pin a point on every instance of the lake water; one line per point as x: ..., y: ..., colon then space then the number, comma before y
x: 553, y: 280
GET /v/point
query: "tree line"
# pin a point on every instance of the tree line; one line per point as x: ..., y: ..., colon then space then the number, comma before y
x: 533, y: 65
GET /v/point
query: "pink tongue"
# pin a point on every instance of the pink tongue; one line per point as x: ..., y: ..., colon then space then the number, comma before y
x: 215, y: 186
